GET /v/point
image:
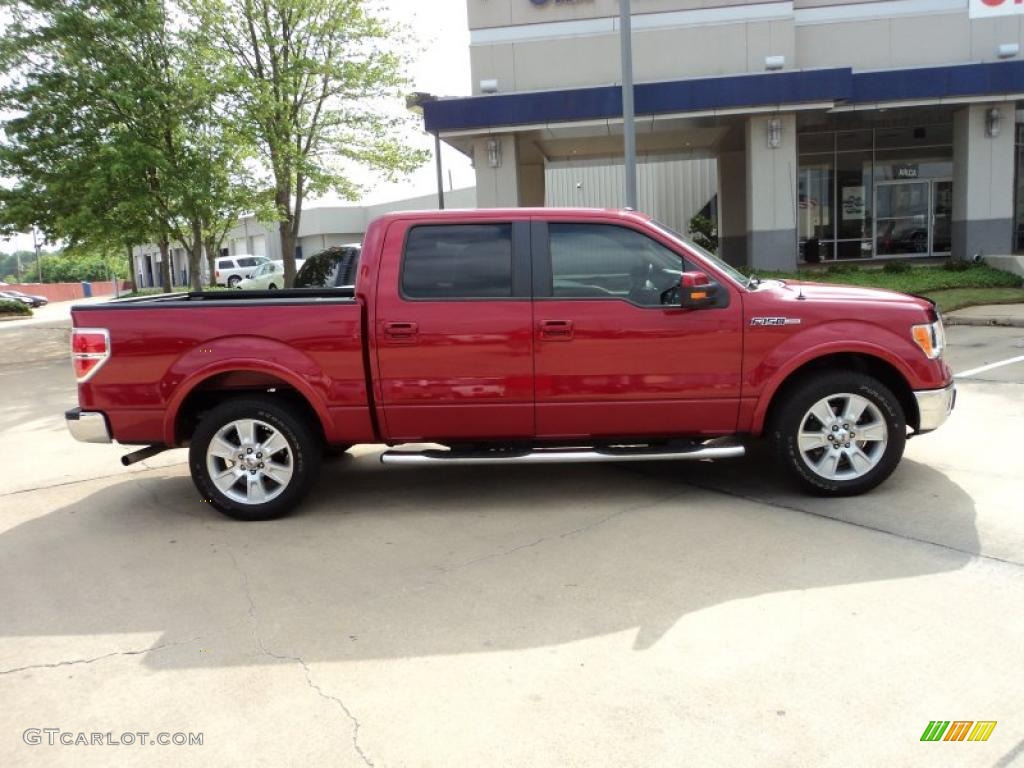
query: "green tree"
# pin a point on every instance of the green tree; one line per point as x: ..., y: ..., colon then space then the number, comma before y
x: 114, y: 140
x: 704, y: 232
x: 310, y: 83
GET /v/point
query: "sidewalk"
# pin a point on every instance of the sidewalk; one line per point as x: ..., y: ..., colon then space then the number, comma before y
x: 52, y: 312
x: 1010, y: 315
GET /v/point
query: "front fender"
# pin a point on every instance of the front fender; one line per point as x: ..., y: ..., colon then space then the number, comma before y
x: 251, y: 354
x: 769, y: 373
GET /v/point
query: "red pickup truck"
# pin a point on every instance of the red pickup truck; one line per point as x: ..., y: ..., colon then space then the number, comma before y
x: 522, y: 335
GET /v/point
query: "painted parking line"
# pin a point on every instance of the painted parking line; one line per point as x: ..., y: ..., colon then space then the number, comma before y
x: 989, y: 367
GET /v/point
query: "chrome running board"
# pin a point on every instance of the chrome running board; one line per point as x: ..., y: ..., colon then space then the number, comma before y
x: 570, y: 456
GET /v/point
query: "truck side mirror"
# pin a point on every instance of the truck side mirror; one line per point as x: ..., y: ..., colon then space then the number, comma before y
x: 697, y: 291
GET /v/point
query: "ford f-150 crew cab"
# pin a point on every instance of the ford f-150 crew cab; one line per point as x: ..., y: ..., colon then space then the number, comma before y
x: 523, y: 335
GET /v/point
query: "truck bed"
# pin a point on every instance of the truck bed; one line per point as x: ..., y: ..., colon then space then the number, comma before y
x: 310, y: 341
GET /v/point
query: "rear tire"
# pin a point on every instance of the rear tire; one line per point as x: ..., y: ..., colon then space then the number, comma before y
x: 233, y: 281
x: 254, y: 458
x: 839, y: 433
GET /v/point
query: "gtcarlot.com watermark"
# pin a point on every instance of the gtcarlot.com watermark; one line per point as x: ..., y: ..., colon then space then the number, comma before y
x: 54, y: 737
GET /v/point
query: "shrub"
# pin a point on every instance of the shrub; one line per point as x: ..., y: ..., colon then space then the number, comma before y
x: 843, y: 269
x: 896, y: 267
x: 13, y: 308
x: 957, y: 265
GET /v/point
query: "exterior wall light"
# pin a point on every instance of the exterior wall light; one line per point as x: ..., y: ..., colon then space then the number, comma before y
x: 494, y: 153
x: 774, y: 133
x: 488, y: 86
x: 1008, y: 50
x: 773, y: 63
x: 992, y: 118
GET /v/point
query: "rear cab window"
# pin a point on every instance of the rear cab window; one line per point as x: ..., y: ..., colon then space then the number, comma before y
x: 458, y: 261
x: 332, y: 268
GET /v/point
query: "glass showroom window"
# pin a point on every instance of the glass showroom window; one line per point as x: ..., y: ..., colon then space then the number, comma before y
x: 875, y: 192
x: 1018, y: 211
x: 815, y: 230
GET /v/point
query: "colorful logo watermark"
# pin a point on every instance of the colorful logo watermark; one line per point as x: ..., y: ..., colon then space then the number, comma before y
x: 958, y: 730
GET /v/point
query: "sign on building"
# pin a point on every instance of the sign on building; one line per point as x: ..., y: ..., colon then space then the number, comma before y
x: 988, y: 9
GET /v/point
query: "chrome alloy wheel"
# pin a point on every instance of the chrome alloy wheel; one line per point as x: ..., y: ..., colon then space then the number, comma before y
x: 250, y: 461
x: 842, y: 436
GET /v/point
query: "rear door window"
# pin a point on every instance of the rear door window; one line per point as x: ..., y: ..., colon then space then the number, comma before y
x: 459, y: 261
x: 225, y: 264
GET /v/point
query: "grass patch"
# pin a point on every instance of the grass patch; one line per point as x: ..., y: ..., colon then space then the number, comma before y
x: 958, y: 298
x: 913, y: 280
x: 14, y: 309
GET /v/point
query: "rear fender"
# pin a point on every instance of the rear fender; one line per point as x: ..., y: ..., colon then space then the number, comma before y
x: 250, y: 354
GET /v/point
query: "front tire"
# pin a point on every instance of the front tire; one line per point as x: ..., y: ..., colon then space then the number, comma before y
x: 254, y: 458
x: 840, y: 433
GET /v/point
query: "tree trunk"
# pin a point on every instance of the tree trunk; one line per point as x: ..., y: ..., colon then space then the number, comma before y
x: 131, y: 268
x: 195, y: 256
x: 165, y: 263
x: 211, y: 246
x: 283, y: 203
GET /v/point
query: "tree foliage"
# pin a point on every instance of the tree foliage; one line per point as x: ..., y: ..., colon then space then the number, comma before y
x: 115, y: 140
x: 310, y: 83
x: 163, y: 121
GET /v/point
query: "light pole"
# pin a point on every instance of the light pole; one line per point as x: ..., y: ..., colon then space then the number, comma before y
x: 414, y: 103
x: 37, y: 247
x: 628, y: 112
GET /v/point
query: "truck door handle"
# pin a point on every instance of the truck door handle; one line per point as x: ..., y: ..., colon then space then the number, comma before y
x: 402, y: 332
x: 556, y: 330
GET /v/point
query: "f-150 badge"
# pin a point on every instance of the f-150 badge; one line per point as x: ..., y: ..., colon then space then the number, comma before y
x: 775, y: 321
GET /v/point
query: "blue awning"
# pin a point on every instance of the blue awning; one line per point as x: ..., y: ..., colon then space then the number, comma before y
x: 840, y: 85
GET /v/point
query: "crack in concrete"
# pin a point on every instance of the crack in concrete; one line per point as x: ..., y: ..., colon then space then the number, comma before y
x: 112, y: 654
x: 565, y: 534
x: 264, y: 650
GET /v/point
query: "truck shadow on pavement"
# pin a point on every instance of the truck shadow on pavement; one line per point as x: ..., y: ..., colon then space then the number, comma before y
x: 411, y: 562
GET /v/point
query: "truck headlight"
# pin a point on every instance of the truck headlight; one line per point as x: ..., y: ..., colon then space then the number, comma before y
x: 930, y: 337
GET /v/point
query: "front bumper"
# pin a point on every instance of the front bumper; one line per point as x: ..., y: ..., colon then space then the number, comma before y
x: 934, y: 406
x: 87, y: 426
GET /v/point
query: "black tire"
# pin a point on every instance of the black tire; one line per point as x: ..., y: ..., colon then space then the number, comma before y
x: 233, y: 281
x: 272, y: 287
x: 302, y: 444
x: 788, y: 420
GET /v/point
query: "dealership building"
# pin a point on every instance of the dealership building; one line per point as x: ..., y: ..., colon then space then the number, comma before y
x: 812, y: 129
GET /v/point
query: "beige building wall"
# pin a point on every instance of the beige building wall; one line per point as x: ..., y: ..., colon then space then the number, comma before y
x: 563, y: 45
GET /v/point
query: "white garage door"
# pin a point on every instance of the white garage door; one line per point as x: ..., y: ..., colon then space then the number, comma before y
x: 239, y: 245
x: 259, y: 245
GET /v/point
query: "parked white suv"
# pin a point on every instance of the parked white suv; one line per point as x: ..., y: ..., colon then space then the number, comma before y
x: 231, y: 270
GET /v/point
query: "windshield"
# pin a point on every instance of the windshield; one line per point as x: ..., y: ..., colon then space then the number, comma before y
x: 731, y: 271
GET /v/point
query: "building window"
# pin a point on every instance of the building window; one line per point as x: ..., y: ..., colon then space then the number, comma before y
x: 1018, y: 210
x: 875, y: 192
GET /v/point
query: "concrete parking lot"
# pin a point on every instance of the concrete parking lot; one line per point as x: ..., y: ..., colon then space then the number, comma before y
x: 612, y: 615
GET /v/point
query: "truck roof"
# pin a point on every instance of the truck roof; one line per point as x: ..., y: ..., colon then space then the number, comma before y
x: 517, y: 214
